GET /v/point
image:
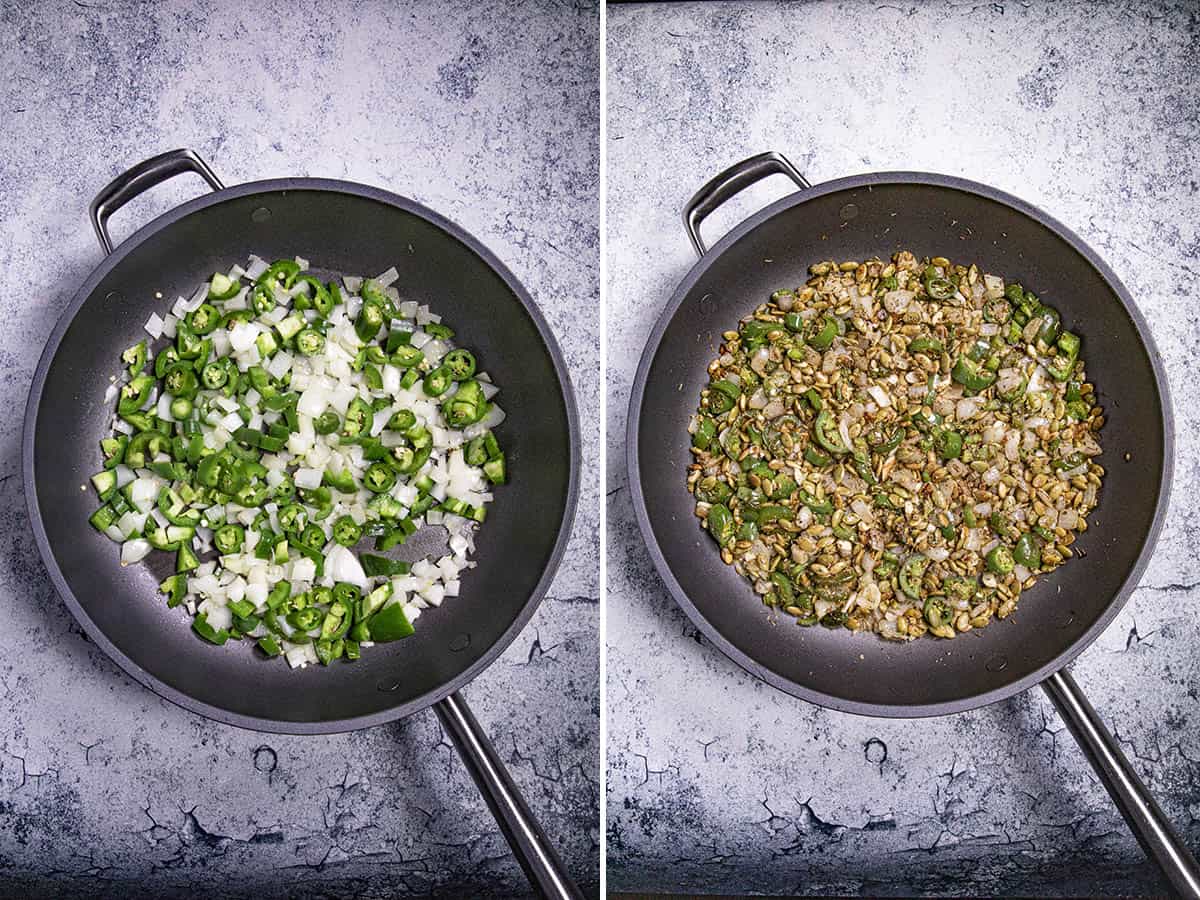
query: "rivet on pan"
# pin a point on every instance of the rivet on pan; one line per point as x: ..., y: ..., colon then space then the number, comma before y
x: 708, y: 305
x: 460, y: 642
x: 388, y: 685
x: 848, y: 212
x: 997, y: 663
x: 113, y: 297
x: 260, y: 215
x: 1068, y: 620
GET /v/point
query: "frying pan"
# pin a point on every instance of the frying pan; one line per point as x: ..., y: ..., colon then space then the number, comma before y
x: 348, y: 228
x: 875, y: 215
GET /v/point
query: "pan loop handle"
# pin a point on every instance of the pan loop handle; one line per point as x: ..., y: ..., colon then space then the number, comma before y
x: 1145, y: 819
x: 525, y: 836
x: 732, y: 181
x: 141, y: 178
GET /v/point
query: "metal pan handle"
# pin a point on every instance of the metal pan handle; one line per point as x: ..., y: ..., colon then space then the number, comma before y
x: 140, y: 179
x: 1152, y: 829
x: 732, y: 181
x: 529, y: 843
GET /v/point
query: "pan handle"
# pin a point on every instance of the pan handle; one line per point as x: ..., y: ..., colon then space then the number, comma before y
x: 732, y: 181
x: 1144, y: 817
x: 529, y: 843
x: 140, y: 179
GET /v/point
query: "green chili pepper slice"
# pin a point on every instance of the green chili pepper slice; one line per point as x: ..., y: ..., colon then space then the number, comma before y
x: 940, y: 288
x: 722, y: 396
x: 403, y: 420
x: 467, y: 406
x: 359, y: 418
x: 310, y: 342
x: 215, y: 375
x: 460, y: 363
x: 1000, y: 560
x: 181, y: 407
x: 327, y: 422
x: 134, y: 394
x: 821, y: 333
x: 1062, y: 364
x: 346, y: 531
x: 369, y: 321
x: 1051, y: 322
x: 925, y: 345
x: 706, y: 430
x: 222, y: 287
x: 389, y: 624
x: 282, y: 272
x: 883, y: 440
x: 937, y: 612
x: 341, y: 481
x: 948, y: 444
x: 825, y: 430
x: 437, y: 381
x: 712, y: 490
x: 815, y: 457
x: 135, y: 358
x: 911, y: 574
x: 971, y: 375
x: 379, y: 478
x: 204, y: 318
x: 820, y: 506
x: 407, y: 357
x: 181, y: 381
x: 720, y: 524
x: 1028, y: 552
x: 835, y: 618
x: 216, y: 636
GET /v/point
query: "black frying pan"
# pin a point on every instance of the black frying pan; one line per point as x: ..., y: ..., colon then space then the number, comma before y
x: 341, y: 227
x: 875, y: 215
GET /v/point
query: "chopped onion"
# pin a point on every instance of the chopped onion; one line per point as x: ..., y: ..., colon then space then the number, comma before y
x: 255, y: 268
x: 966, y: 408
x: 879, y: 395
x: 344, y: 566
x: 309, y: 479
x: 154, y: 326
x: 134, y: 551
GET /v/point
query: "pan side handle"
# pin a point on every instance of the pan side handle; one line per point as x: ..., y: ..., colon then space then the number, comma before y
x: 1143, y: 815
x: 140, y: 179
x: 732, y: 181
x: 529, y: 843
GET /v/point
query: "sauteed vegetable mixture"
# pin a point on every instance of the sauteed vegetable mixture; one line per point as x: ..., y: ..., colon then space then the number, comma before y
x: 285, y: 419
x: 899, y: 447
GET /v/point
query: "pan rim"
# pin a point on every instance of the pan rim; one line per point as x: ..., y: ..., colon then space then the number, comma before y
x: 747, y: 662
x: 180, y: 698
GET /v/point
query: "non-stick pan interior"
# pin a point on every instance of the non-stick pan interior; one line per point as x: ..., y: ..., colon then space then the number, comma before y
x: 861, y: 672
x: 351, y: 232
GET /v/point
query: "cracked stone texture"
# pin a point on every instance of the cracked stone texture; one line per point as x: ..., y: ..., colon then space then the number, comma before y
x: 487, y: 113
x: 719, y: 783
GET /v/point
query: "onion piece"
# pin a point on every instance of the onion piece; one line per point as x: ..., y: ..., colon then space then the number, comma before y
x: 343, y: 565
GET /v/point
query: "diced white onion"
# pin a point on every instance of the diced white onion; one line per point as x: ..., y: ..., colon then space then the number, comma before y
x: 154, y: 326
x: 134, y: 551
x: 309, y: 479
x: 255, y: 268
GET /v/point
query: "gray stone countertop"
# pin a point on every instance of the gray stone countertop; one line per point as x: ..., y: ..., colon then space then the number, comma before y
x: 489, y: 115
x: 718, y: 783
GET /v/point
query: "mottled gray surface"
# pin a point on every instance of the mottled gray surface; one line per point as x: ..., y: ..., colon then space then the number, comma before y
x: 718, y: 783
x: 487, y: 113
